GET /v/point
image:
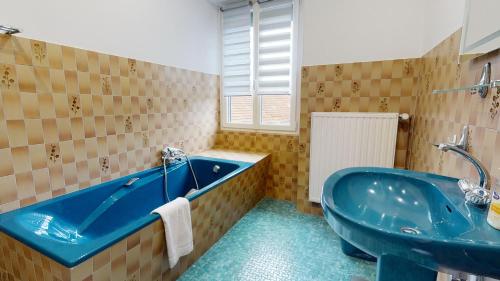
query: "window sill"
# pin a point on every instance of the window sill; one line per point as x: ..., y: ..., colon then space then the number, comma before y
x: 262, y: 131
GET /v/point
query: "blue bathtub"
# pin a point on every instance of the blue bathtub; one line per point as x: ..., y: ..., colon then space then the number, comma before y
x: 109, y: 210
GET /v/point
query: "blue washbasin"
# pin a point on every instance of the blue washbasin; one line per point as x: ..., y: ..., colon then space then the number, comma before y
x: 414, y: 223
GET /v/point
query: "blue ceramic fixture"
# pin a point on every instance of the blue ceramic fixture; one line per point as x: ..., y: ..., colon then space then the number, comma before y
x: 414, y: 223
x: 78, y: 225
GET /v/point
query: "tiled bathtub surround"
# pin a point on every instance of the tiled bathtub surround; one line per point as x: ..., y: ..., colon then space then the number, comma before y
x: 378, y: 86
x: 441, y: 116
x: 71, y: 118
x: 142, y: 256
x: 281, y: 180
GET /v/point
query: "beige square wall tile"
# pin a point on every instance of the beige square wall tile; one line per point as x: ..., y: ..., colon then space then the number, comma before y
x: 63, y: 111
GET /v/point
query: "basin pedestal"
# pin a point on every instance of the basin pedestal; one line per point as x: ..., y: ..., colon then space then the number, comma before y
x: 349, y: 250
x: 391, y: 268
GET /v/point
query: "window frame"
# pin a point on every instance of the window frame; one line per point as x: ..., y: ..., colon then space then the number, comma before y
x: 257, y: 104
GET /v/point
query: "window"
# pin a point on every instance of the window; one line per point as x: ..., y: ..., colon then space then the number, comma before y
x: 258, y: 75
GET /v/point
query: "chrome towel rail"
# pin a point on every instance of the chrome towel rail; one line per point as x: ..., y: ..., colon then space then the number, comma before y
x: 9, y: 30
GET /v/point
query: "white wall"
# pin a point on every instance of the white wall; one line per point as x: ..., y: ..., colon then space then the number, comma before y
x: 181, y: 33
x: 441, y: 18
x: 344, y: 31
x: 185, y: 33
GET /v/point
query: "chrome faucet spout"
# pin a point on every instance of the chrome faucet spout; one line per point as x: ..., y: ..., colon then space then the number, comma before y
x: 481, y: 170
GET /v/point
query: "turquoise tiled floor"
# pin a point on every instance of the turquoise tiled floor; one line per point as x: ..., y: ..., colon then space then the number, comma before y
x: 275, y: 242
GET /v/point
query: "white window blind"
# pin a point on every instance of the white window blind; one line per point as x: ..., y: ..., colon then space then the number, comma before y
x: 274, y: 66
x: 237, y: 25
x: 258, y: 85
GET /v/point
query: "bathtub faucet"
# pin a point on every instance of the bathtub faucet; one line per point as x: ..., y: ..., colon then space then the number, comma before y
x: 172, y: 154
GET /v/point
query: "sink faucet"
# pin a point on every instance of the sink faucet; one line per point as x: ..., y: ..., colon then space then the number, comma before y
x: 477, y: 195
x: 481, y: 170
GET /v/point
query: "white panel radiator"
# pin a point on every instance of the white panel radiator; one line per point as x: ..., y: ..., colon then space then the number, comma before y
x: 349, y: 139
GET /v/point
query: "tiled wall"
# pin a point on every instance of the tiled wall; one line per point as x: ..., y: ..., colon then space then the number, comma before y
x: 64, y: 110
x: 441, y: 116
x: 406, y: 86
x: 143, y: 255
x: 381, y: 86
x: 378, y: 86
x: 71, y: 118
x: 282, y: 175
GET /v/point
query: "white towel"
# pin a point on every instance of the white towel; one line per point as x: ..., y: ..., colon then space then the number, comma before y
x: 176, y: 216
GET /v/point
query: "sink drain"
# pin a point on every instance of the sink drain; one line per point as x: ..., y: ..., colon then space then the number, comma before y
x: 409, y: 230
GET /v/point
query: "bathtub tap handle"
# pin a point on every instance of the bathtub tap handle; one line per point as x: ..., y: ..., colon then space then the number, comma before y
x: 216, y: 169
x: 171, y: 154
x: 131, y: 182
